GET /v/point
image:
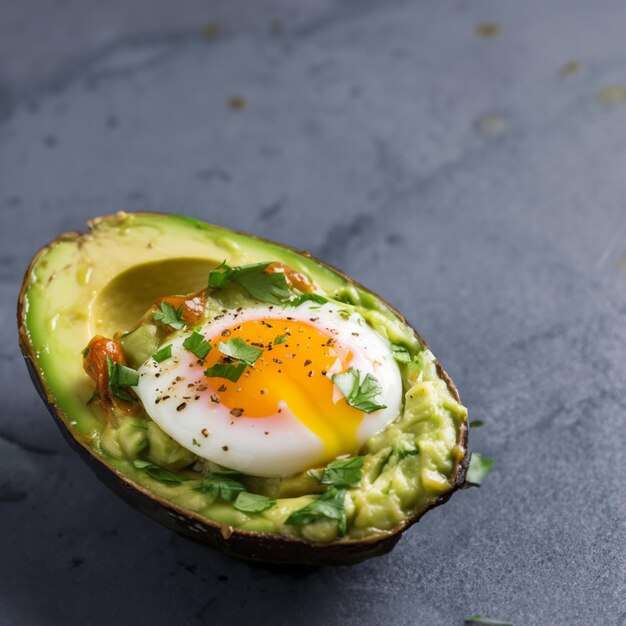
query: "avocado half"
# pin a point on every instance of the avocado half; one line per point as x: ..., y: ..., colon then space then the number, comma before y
x: 104, y: 280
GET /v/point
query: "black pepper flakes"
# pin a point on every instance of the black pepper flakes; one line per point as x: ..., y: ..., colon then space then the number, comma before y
x: 181, y: 406
x: 221, y: 388
x: 225, y: 448
x: 236, y: 412
x: 226, y: 332
x: 310, y: 374
x: 307, y: 363
x: 205, y: 432
x: 215, y: 398
x: 277, y: 361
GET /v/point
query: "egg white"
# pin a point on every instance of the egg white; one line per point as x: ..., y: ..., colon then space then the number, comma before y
x: 276, y: 445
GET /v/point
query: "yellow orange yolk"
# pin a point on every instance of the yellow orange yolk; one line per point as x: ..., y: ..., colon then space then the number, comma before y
x: 294, y: 372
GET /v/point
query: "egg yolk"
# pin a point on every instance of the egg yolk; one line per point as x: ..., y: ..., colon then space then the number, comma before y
x: 294, y: 371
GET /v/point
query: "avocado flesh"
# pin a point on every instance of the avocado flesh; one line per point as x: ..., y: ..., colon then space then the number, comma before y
x: 103, y: 281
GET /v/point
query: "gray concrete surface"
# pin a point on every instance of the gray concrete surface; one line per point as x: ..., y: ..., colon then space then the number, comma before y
x: 475, y: 182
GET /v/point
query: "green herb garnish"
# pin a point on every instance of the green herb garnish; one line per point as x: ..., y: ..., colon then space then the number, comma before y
x: 364, y: 395
x: 479, y: 619
x: 162, y: 354
x: 158, y: 473
x: 253, y: 503
x: 229, y: 371
x: 478, y: 469
x: 261, y: 285
x: 400, y: 354
x: 222, y: 487
x: 476, y: 423
x: 330, y: 505
x: 195, y: 442
x: 120, y: 377
x: 238, y: 349
x: 197, y: 344
x: 406, y: 448
x: 340, y: 473
x: 280, y: 339
x: 306, y: 297
x: 170, y: 316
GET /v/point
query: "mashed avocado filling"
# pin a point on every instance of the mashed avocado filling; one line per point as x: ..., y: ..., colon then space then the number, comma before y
x: 103, y: 281
x: 401, y: 470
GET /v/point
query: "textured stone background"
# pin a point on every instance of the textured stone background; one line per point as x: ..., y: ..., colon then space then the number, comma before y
x: 478, y: 183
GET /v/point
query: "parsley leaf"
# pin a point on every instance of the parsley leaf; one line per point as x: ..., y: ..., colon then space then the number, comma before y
x: 261, y: 285
x: 158, y: 473
x: 479, y: 619
x: 170, y: 316
x: 406, y: 448
x: 221, y: 486
x: 121, y: 376
x: 229, y: 371
x: 162, y: 354
x: 253, y: 503
x: 306, y: 297
x: 238, y: 349
x: 197, y: 344
x: 400, y: 354
x: 478, y: 469
x: 364, y: 395
x: 281, y: 338
x: 330, y: 505
x: 341, y: 473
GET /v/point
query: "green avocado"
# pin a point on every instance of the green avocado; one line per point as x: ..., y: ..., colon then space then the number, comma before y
x: 105, y: 281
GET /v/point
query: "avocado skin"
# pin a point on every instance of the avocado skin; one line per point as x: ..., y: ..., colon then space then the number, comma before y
x: 244, y: 544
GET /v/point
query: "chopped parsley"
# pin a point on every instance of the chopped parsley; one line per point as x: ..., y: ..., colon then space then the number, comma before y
x: 197, y: 344
x: 261, y: 285
x: 229, y: 371
x: 406, y: 448
x: 281, y: 339
x: 222, y: 487
x: 363, y: 395
x: 253, y: 503
x: 162, y: 354
x: 400, y: 354
x: 195, y: 442
x: 158, y: 473
x: 330, y: 505
x: 170, y: 316
x: 238, y: 349
x: 121, y: 377
x: 476, y: 423
x: 478, y: 469
x: 306, y: 297
x: 341, y: 473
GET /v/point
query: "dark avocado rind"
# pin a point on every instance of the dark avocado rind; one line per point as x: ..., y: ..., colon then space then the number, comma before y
x: 237, y: 542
